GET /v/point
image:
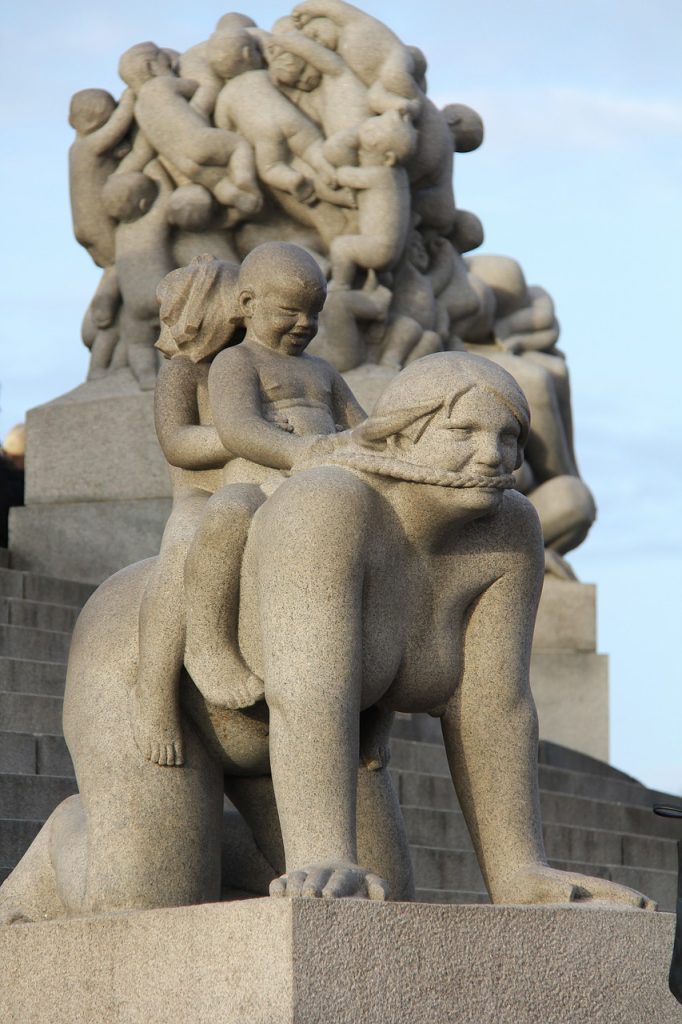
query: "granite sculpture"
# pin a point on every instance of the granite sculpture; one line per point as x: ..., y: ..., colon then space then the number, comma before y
x: 388, y: 565
x: 319, y: 132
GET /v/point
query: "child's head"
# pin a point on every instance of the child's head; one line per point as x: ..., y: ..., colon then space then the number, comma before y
x: 232, y: 53
x: 389, y: 138
x: 126, y: 197
x: 281, y: 293
x: 142, y: 62
x: 191, y: 208
x: 90, y: 109
x: 288, y: 69
x: 232, y: 21
x: 199, y: 312
x: 466, y: 127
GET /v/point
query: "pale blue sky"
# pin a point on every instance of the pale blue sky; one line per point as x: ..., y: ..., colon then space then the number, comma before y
x: 580, y: 178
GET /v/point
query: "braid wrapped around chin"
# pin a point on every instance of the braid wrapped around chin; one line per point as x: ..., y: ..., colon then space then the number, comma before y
x: 400, y: 469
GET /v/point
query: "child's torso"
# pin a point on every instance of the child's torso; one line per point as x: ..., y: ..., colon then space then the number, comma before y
x: 295, y: 389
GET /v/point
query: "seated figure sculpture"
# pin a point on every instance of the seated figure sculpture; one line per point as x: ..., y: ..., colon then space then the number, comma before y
x: 412, y: 587
x: 273, y: 406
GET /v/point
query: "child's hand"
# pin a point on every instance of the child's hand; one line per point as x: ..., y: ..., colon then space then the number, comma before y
x: 317, y: 452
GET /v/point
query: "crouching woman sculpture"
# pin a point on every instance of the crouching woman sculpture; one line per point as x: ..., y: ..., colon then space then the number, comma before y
x: 401, y: 575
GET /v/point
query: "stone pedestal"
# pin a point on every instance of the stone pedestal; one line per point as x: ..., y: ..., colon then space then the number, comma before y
x: 569, y: 679
x: 97, y: 485
x: 341, y: 962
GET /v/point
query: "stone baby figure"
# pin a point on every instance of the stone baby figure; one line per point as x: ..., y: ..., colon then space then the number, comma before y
x: 252, y: 105
x: 272, y: 405
x: 383, y: 197
x: 199, y: 316
x: 194, y: 151
x: 101, y: 126
x: 139, y: 203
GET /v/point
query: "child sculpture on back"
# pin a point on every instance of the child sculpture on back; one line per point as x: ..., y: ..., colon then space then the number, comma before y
x: 268, y: 406
x: 272, y: 405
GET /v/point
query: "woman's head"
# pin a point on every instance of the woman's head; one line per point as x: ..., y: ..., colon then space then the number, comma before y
x: 468, y: 401
x: 199, y: 309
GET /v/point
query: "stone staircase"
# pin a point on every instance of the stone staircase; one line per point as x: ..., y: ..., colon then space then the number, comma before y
x: 597, y: 819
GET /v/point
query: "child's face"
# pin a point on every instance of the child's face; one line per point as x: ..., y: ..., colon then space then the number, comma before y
x: 284, y: 316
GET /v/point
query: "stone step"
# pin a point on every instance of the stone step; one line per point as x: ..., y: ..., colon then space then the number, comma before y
x: 447, y: 830
x: 16, y: 835
x: 29, y: 712
x: 556, y: 756
x: 17, y: 611
x: 458, y: 870
x: 41, y: 644
x: 32, y: 797
x: 29, y: 754
x: 24, y: 675
x: 34, y: 587
x: 426, y: 729
x: 420, y: 789
x: 436, y: 868
x: 431, y: 759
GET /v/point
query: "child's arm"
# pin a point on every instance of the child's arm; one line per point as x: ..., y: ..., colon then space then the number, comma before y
x: 358, y: 177
x: 347, y: 410
x: 157, y: 172
x: 235, y: 397
x: 185, y: 87
x: 183, y: 440
x: 111, y: 133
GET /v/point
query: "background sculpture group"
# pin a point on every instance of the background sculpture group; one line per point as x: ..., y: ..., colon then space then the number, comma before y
x: 321, y: 133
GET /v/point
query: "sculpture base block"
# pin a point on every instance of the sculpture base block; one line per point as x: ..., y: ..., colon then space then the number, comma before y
x: 342, y: 962
x: 570, y: 681
x: 86, y: 540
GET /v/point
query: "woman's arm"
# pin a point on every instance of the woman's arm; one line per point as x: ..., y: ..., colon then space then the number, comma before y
x: 184, y: 441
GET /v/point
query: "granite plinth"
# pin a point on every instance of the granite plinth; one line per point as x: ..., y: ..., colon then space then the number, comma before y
x: 96, y: 443
x: 569, y: 679
x: 343, y: 962
x: 86, y: 540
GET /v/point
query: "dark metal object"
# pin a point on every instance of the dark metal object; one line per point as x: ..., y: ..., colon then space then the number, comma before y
x: 675, y: 975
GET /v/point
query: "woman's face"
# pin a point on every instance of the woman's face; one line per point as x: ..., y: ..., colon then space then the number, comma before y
x: 478, y: 439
